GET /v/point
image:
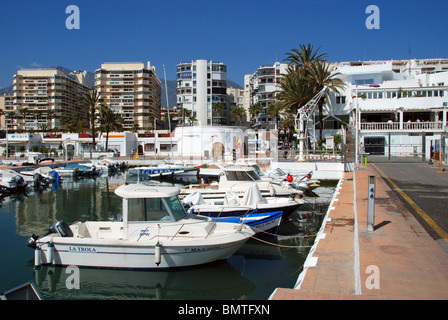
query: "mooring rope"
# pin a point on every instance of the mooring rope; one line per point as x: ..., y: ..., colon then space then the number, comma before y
x: 279, y: 245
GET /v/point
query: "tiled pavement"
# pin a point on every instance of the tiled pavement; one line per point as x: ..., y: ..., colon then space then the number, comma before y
x: 398, y: 260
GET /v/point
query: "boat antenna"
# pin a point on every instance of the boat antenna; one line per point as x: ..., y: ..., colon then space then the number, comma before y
x: 168, y: 107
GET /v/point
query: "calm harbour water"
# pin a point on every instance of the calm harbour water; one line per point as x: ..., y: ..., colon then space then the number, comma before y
x: 252, y: 273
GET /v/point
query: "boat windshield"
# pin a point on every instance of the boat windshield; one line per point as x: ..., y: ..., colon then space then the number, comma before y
x: 242, y: 176
x: 155, y: 209
x: 257, y: 170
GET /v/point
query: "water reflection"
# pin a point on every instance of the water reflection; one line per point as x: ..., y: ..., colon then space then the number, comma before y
x: 217, y: 281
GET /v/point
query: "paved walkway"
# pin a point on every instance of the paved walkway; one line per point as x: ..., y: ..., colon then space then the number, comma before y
x: 398, y: 260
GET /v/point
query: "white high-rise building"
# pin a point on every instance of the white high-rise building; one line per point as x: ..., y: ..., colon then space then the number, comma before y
x: 200, y: 85
x: 260, y: 87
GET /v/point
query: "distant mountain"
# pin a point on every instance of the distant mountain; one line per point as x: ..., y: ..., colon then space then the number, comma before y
x: 7, y: 90
x: 233, y: 84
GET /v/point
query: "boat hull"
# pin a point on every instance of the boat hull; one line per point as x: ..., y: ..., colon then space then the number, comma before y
x: 267, y: 222
x: 82, y: 252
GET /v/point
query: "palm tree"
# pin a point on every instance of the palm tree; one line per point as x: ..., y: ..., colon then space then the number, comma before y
x: 254, y: 110
x: 91, y: 100
x: 295, y: 90
x: 11, y: 115
x: 184, y: 113
x: 321, y: 75
x: 24, y: 112
x: 50, y: 115
x: 110, y: 121
x: 304, y: 56
x: 274, y: 110
x: 218, y: 108
x: 238, y: 113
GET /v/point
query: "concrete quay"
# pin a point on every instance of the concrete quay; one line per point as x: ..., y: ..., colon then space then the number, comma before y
x: 397, y: 260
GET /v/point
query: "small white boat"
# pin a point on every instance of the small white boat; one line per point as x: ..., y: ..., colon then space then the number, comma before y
x: 104, y: 165
x: 232, y: 205
x: 154, y: 233
x: 42, y: 175
x: 237, y: 179
x: 11, y: 181
x: 162, y: 170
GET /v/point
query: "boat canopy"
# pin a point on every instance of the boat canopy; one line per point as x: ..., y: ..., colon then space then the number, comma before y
x: 144, y: 191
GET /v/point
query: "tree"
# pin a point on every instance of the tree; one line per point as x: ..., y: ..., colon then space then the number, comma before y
x: 254, y: 110
x: 135, y: 127
x: 321, y: 75
x: 23, y: 113
x: 109, y: 121
x: 91, y: 100
x: 304, y: 56
x: 238, y: 113
x: 295, y: 90
x: 274, y: 110
x: 218, y: 108
x: 306, y: 76
x: 183, y: 113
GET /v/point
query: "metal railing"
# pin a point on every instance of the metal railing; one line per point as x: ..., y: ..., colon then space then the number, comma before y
x: 395, y: 126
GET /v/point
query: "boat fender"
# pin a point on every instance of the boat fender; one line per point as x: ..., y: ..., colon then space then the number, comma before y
x: 37, y: 254
x: 50, y: 252
x: 289, y: 178
x: 271, y: 190
x: 157, y: 253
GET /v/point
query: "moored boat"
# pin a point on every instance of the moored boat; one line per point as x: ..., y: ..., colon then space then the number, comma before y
x: 154, y: 233
x: 232, y: 205
x: 237, y: 179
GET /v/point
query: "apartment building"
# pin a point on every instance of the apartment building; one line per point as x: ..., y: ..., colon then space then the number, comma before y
x: 235, y: 98
x: 43, y: 96
x: 201, y: 84
x: 132, y: 90
x: 6, y: 105
x: 260, y: 87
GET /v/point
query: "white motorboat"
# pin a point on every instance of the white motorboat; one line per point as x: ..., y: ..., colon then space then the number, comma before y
x: 104, y: 165
x: 78, y: 170
x: 154, y: 232
x: 162, y: 170
x: 237, y: 179
x: 42, y: 175
x: 232, y: 205
x: 302, y: 181
x: 11, y: 181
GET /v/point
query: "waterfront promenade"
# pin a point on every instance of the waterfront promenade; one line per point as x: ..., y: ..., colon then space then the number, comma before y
x: 398, y: 260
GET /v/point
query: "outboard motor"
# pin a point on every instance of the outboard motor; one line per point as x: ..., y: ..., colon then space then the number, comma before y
x: 60, y: 227
x: 18, y: 181
x: 37, y: 178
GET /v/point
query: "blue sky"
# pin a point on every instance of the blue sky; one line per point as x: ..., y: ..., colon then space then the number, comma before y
x: 243, y: 34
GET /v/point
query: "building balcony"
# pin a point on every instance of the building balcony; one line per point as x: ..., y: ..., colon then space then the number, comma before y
x: 427, y: 126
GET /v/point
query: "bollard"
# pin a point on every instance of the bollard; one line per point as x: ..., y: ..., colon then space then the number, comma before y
x: 371, y: 204
x: 441, y: 163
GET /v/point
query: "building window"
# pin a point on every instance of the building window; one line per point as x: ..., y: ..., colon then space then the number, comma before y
x: 340, y: 100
